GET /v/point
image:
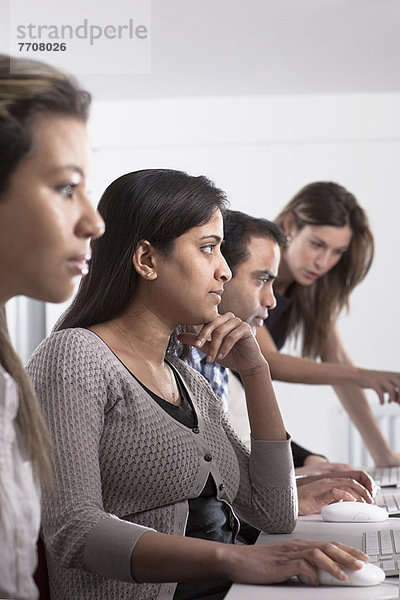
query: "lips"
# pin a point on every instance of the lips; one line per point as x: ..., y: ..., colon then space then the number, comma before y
x: 217, y: 295
x: 79, y: 264
x: 312, y: 275
x: 259, y: 320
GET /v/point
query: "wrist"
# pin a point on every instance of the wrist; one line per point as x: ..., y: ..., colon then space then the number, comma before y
x: 226, y: 560
x: 262, y: 370
x: 313, y: 459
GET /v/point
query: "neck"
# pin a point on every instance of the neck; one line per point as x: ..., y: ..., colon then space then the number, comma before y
x: 285, y: 277
x: 146, y: 331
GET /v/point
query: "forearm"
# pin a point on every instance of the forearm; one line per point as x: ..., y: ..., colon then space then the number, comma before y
x: 265, y: 419
x: 158, y: 557
x: 294, y: 369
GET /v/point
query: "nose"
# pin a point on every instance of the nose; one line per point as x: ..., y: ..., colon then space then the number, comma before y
x: 322, y: 260
x: 268, y: 299
x: 223, y: 272
x: 90, y: 224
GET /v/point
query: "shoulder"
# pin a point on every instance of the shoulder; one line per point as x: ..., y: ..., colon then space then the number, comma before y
x: 69, y: 347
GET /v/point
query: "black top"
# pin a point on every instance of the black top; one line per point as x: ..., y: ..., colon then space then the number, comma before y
x: 277, y: 324
x: 278, y: 320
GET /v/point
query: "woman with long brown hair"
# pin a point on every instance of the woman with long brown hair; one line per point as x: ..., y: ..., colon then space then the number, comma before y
x: 329, y: 251
x: 46, y: 222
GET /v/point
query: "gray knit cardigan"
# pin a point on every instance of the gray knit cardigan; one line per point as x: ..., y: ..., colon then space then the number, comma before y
x: 122, y: 465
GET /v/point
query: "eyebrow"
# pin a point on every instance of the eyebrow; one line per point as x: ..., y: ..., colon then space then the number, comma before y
x: 323, y: 242
x: 264, y: 273
x: 217, y: 238
x: 67, y: 167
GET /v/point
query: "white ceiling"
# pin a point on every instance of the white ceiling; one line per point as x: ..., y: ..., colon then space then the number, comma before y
x: 252, y: 47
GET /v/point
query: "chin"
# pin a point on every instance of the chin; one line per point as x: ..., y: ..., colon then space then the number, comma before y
x: 55, y: 294
x: 204, y: 318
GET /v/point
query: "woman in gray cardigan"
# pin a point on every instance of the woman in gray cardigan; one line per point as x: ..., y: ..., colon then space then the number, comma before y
x: 150, y: 479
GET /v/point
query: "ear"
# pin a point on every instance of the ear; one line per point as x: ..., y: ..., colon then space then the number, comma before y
x: 289, y: 224
x: 144, y: 260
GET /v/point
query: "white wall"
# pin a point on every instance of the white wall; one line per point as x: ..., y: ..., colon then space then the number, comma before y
x: 261, y: 150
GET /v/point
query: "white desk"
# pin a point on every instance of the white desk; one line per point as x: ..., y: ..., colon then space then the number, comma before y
x: 314, y: 528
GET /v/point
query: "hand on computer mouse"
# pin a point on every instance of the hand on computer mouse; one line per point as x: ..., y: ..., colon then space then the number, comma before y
x: 317, y: 494
x: 361, y: 476
x: 278, y: 562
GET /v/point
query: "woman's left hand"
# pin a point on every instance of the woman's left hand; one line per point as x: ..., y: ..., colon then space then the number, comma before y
x: 317, y: 494
x: 361, y: 477
x: 229, y: 341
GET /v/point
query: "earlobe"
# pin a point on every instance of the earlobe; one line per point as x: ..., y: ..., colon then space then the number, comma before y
x: 144, y: 260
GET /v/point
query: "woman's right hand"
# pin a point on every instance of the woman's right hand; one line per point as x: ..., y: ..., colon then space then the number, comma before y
x: 275, y: 563
x: 385, y: 383
x: 229, y: 341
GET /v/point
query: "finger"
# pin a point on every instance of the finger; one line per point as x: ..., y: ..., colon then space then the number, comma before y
x: 242, y: 331
x: 335, y: 494
x: 380, y: 396
x: 300, y: 566
x: 319, y: 559
x: 361, y: 476
x: 223, y: 338
x: 353, y: 555
x: 358, y: 554
x: 205, y: 332
x: 355, y: 488
x: 188, y: 338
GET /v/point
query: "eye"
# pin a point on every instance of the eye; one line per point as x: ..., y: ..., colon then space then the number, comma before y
x: 263, y: 280
x: 208, y: 249
x: 66, y: 190
x: 315, y: 244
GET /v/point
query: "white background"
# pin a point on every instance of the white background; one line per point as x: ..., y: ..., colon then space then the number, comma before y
x: 263, y: 110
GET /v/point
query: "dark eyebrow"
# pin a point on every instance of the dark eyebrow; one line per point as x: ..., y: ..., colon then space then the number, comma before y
x: 214, y: 237
x: 264, y: 273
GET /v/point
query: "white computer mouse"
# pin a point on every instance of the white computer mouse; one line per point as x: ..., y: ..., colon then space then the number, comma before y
x: 346, y: 512
x: 367, y: 575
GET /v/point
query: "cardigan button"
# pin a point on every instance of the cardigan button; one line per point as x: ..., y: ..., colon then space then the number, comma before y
x: 196, y: 430
x: 221, y: 486
x: 208, y: 458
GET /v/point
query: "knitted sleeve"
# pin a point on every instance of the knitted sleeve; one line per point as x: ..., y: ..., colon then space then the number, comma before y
x: 267, y: 494
x: 69, y: 374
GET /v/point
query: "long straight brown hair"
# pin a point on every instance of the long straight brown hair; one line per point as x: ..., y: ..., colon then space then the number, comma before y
x: 316, y: 307
x: 28, y: 89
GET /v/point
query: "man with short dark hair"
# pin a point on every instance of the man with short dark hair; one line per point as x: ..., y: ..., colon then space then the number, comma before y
x: 251, y: 248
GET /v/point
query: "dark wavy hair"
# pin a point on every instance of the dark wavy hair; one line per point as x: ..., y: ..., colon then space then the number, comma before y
x: 317, y: 306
